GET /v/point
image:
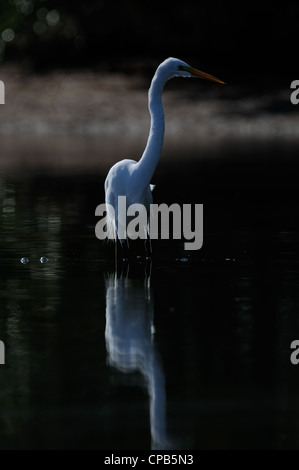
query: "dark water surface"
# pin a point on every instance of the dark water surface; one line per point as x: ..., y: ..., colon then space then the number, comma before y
x: 192, y: 352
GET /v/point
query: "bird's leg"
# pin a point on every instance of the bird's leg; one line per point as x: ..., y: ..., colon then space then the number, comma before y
x: 115, y: 253
x: 148, y: 247
x: 147, y: 274
x: 124, y: 248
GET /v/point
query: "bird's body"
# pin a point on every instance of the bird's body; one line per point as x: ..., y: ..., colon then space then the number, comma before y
x: 130, y: 178
x: 122, y: 180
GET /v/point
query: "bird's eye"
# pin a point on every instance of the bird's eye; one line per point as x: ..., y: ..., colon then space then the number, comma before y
x: 183, y: 68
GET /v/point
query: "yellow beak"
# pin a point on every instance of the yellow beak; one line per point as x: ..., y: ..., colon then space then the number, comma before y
x: 199, y: 74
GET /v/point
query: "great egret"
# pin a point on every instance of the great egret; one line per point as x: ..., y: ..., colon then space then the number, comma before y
x: 132, y: 179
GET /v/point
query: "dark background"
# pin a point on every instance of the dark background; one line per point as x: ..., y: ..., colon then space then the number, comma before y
x: 225, y: 316
x: 253, y: 42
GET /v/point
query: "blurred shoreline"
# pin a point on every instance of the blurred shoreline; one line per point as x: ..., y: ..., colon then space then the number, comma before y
x: 51, y: 120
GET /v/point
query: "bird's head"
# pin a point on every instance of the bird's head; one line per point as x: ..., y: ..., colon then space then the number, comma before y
x: 178, y: 68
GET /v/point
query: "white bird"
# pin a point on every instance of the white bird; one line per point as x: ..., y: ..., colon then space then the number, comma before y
x: 132, y: 179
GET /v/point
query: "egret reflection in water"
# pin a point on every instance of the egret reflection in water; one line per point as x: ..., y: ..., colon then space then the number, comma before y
x: 131, y: 346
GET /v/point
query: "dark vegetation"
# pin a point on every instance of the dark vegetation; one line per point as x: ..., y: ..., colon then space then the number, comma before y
x: 253, y: 41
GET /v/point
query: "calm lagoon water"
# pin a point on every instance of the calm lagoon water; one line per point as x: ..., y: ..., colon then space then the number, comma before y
x: 192, y: 352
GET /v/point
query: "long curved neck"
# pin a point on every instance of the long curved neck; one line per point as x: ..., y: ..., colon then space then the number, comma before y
x: 148, y: 162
